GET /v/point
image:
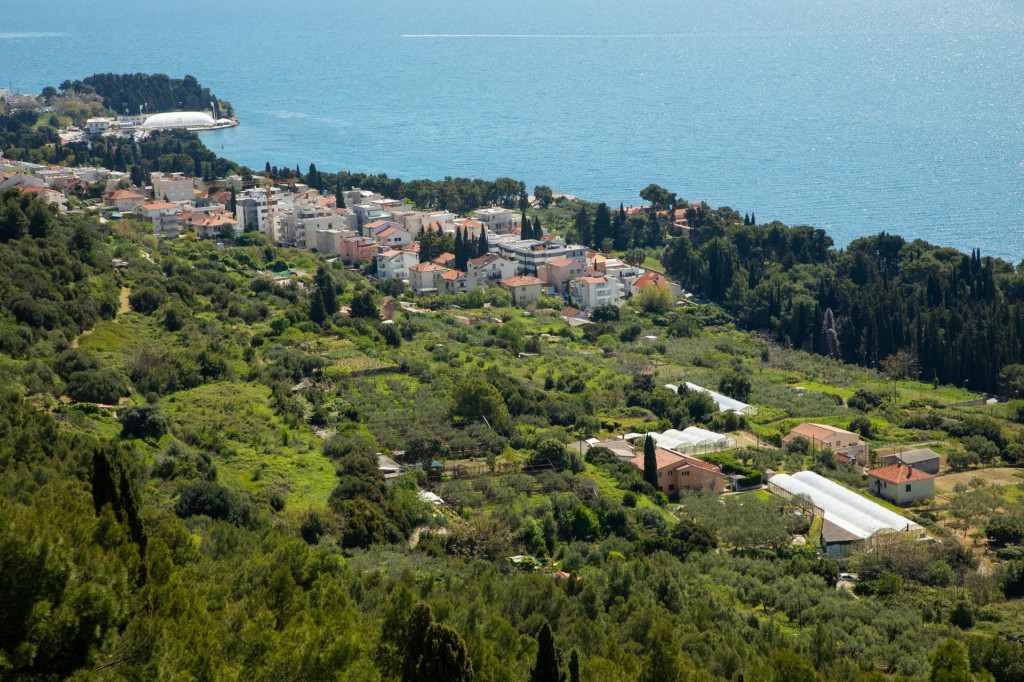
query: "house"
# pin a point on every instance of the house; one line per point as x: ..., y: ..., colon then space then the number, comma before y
x: 560, y: 271
x: 524, y: 289
x: 423, y: 277
x: 123, y: 200
x: 373, y: 228
x: 591, y: 292
x: 499, y: 220
x: 173, y: 187
x: 393, y: 237
x: 923, y: 460
x: 653, y: 279
x: 455, y: 281
x: 393, y: 264
x: 900, y: 483
x: 50, y: 196
x: 491, y: 267
x: 354, y: 249
x: 447, y: 259
x: 213, y: 225
x: 163, y: 215
x: 528, y: 254
x: 839, y: 441
x: 679, y: 472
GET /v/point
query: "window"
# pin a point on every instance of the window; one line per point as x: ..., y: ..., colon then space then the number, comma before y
x: 659, y: 474
x: 908, y: 487
x: 671, y: 487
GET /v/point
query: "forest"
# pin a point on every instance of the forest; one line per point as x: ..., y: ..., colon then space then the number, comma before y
x: 189, y: 487
x: 130, y: 93
x: 917, y: 309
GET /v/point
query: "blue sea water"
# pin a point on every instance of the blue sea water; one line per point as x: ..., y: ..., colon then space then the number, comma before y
x: 853, y: 115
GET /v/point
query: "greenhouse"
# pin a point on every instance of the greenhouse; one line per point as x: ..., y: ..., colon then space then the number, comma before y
x: 725, y: 403
x: 852, y: 522
x: 692, y: 440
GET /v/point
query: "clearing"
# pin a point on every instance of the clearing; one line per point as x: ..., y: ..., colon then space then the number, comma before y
x: 995, y: 476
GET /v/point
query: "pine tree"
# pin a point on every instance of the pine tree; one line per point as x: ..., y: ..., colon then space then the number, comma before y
x: 650, y: 462
x: 574, y: 661
x: 546, y: 667
x: 339, y: 196
x: 753, y: 219
x: 325, y: 287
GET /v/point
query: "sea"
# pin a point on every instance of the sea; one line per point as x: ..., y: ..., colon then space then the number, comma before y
x: 856, y: 116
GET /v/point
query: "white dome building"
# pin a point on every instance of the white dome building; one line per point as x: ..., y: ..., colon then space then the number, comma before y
x: 179, y: 119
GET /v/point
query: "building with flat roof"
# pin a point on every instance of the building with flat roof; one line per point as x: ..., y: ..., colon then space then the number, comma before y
x: 921, y: 459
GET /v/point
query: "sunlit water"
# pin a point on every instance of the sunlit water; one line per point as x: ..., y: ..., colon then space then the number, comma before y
x: 856, y: 116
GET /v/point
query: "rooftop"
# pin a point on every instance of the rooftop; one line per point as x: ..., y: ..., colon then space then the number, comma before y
x: 899, y: 473
x: 521, y: 281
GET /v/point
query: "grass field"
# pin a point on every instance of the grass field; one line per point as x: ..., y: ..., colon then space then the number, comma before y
x: 994, y: 476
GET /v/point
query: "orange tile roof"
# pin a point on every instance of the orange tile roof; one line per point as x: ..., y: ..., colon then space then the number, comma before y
x: 452, y: 275
x: 444, y: 258
x: 157, y: 205
x: 651, y: 277
x: 126, y: 194
x: 594, y: 280
x: 387, y: 232
x: 899, y: 473
x: 521, y: 281
x: 821, y: 431
x: 429, y: 267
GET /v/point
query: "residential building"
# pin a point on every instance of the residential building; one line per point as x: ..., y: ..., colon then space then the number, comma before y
x: 353, y: 249
x: 680, y: 472
x: 163, y: 215
x: 100, y: 125
x: 901, y: 484
x: 356, y: 196
x: 393, y: 264
x: 654, y: 279
x: 372, y: 228
x: 559, y: 272
x: 50, y: 196
x: 922, y: 459
x: 528, y: 254
x: 591, y: 292
x: 840, y: 441
x: 213, y: 225
x: 446, y: 259
x: 524, y: 289
x: 423, y: 277
x: 455, y: 282
x: 393, y: 237
x: 499, y: 220
x: 173, y: 187
x: 329, y: 241
x: 491, y: 267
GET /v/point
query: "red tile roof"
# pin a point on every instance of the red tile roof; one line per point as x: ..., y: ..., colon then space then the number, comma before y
x: 899, y: 473
x: 452, y: 275
x: 650, y: 277
x: 428, y: 267
x: 521, y: 281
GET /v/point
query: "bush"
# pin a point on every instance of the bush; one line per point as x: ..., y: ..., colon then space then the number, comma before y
x: 863, y: 426
x: 864, y: 400
x: 142, y: 422
x: 214, y: 500
x: 146, y: 300
x: 97, y: 386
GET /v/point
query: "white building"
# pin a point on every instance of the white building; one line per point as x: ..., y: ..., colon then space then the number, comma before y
x: 499, y: 220
x: 491, y: 267
x: 100, y: 125
x: 530, y: 253
x: 173, y: 187
x: 591, y: 292
x: 392, y: 264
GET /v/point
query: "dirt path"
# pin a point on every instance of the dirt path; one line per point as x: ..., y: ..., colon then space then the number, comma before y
x: 414, y: 538
x: 123, y: 306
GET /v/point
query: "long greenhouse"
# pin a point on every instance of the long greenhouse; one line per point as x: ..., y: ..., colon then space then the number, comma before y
x: 851, y: 522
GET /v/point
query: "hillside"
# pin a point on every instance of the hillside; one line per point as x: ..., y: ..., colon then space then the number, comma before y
x: 189, y: 486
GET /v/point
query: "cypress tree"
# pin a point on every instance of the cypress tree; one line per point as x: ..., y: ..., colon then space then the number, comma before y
x: 416, y: 629
x: 234, y: 201
x: 460, y: 247
x: 602, y: 226
x: 581, y: 225
x: 650, y: 462
x: 482, y: 247
x: 619, y: 235
x: 546, y: 667
x: 574, y: 664
x: 537, y: 231
x: 338, y: 193
x: 325, y: 288
x: 317, y: 309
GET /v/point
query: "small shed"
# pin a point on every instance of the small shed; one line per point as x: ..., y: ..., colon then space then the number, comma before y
x: 922, y: 459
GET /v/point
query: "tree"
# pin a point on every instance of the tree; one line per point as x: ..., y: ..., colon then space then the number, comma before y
x: 363, y: 306
x: 543, y: 195
x: 425, y: 449
x: 545, y: 668
x: 650, y: 462
x: 445, y: 658
x: 324, y: 286
x: 537, y: 232
x: 962, y: 615
x: 659, y: 197
x: 473, y: 397
x: 144, y: 421
x: 317, y: 309
x: 950, y: 663
x: 735, y: 385
x: 635, y: 256
x: 482, y: 246
x: 602, y: 228
x: 831, y: 338
x: 654, y: 299
x: 574, y: 666
x: 582, y: 227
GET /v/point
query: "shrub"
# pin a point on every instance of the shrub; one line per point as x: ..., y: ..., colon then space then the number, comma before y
x: 145, y: 421
x: 863, y: 426
x: 97, y: 386
x: 214, y: 500
x: 146, y: 300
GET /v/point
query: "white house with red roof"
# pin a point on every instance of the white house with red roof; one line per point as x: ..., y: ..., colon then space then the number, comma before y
x: 163, y: 215
x: 491, y: 267
x: 455, y: 282
x: 393, y: 237
x: 653, y: 279
x: 123, y: 200
x: 524, y: 288
x: 395, y: 264
x: 901, y: 483
x: 423, y: 277
x: 593, y: 291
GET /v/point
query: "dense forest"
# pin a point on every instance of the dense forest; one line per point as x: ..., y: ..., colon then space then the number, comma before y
x: 189, y: 488
x: 128, y: 93
x: 924, y: 310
